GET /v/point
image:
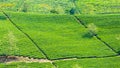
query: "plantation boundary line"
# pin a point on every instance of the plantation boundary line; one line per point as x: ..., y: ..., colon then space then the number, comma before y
x: 96, y: 35
x: 80, y: 22
x: 40, y: 49
x: 89, y: 57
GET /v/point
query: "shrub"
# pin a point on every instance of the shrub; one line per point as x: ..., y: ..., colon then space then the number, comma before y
x: 54, y: 11
x: 92, y: 29
x: 72, y: 11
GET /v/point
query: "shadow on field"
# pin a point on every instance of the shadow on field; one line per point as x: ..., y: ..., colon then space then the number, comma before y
x: 87, y: 35
x: 3, y: 18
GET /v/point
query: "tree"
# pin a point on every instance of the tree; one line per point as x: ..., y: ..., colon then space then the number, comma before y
x: 72, y: 11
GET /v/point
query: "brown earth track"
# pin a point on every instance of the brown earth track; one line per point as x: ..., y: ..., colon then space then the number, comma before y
x: 10, y: 59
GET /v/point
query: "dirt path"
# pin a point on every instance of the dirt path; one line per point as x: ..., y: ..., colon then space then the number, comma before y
x: 10, y: 59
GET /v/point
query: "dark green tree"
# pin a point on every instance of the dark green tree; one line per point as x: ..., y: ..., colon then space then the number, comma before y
x: 72, y: 11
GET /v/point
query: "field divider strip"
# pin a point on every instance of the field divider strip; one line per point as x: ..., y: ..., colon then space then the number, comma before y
x: 96, y: 35
x: 89, y: 57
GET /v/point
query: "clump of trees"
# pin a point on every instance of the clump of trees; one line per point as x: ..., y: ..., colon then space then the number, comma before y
x: 92, y: 29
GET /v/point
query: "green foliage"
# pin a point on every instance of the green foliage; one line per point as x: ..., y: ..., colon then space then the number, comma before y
x: 72, y: 11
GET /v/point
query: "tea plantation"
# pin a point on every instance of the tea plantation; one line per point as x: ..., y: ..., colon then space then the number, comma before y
x: 59, y: 34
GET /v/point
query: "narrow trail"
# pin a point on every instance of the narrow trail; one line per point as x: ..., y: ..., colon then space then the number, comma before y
x: 36, y: 45
x: 96, y: 35
x: 11, y: 59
